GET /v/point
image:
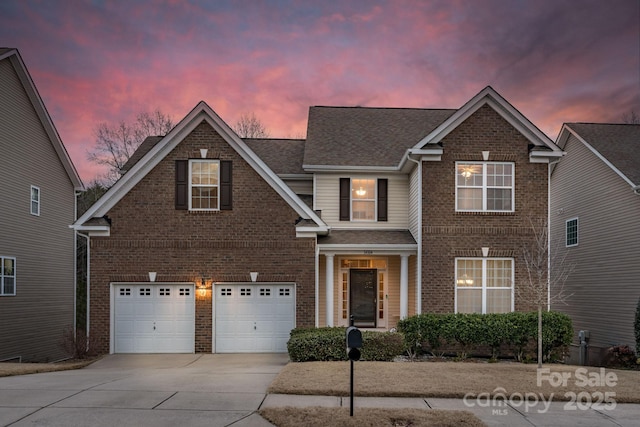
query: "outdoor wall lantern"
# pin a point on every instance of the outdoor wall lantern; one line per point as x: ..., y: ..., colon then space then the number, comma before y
x: 202, y: 287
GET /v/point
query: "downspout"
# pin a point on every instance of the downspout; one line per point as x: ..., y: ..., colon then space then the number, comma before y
x: 420, y: 261
x: 549, y: 233
x: 86, y: 236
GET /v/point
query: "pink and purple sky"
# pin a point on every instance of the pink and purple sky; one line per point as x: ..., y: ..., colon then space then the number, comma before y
x: 106, y: 61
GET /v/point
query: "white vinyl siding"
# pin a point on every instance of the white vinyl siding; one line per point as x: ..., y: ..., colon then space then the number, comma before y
x: 327, y: 200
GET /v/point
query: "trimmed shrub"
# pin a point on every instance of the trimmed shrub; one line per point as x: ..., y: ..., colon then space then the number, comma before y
x: 471, y: 333
x: 327, y: 344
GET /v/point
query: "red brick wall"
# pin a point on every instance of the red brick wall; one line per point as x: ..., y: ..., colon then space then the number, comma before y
x: 448, y: 234
x: 148, y: 234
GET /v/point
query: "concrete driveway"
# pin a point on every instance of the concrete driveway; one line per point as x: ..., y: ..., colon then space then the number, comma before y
x: 145, y: 390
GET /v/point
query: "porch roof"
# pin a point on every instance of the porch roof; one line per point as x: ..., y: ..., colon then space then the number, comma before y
x: 365, y: 240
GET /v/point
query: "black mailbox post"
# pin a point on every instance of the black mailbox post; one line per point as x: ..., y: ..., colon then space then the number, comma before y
x: 354, y: 344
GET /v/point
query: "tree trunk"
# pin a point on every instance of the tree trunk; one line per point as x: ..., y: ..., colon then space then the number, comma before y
x: 539, y: 336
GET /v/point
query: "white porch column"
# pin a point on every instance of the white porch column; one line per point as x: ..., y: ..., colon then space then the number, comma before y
x: 329, y: 289
x: 404, y: 286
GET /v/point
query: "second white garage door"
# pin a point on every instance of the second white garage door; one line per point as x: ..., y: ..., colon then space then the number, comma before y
x: 253, y: 318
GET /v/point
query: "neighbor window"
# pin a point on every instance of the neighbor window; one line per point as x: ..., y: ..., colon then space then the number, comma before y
x: 35, y: 200
x: 572, y: 232
x: 204, y: 185
x: 484, y: 285
x: 484, y: 187
x: 7, y: 276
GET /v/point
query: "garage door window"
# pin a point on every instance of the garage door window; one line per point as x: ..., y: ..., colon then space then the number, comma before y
x: 145, y: 292
x: 225, y: 292
x: 265, y: 292
x: 285, y: 292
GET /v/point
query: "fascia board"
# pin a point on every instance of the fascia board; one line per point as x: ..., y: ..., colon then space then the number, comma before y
x: 598, y: 155
x: 349, y: 169
x: 41, y: 110
x: 374, y: 248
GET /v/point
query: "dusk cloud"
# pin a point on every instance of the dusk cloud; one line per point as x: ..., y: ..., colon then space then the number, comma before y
x: 94, y: 61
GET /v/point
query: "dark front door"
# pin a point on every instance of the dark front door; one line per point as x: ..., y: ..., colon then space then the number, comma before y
x: 362, y: 297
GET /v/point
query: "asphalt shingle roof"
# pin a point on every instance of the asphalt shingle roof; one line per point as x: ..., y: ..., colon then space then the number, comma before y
x: 362, y: 136
x: 371, y: 237
x: 618, y: 143
x: 283, y: 156
x: 143, y: 149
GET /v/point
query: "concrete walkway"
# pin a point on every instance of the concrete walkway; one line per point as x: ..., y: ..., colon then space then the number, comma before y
x: 223, y: 390
x: 509, y: 416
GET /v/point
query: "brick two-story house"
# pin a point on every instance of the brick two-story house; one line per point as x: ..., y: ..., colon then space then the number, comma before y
x: 214, y: 243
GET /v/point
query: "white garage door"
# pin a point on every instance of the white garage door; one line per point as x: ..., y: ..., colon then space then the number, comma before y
x: 254, y: 318
x: 154, y: 318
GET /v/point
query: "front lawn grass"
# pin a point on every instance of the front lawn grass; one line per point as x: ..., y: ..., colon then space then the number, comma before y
x: 445, y: 379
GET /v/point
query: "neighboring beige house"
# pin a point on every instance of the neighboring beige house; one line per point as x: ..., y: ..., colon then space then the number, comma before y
x: 595, y: 195
x: 37, y: 256
x: 214, y: 243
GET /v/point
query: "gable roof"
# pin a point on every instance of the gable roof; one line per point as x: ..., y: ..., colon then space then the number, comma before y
x: 543, y: 146
x: 156, y: 152
x: 362, y: 137
x: 618, y: 145
x: 13, y: 56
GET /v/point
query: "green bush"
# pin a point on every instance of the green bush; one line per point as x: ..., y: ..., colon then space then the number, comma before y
x: 327, y: 344
x: 467, y: 333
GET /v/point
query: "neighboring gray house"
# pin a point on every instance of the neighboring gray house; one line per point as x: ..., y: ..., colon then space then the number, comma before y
x: 37, y: 257
x: 595, y: 199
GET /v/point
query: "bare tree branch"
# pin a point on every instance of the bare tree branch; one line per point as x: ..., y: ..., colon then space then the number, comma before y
x: 631, y: 118
x: 115, y: 144
x: 546, y: 275
x: 249, y: 126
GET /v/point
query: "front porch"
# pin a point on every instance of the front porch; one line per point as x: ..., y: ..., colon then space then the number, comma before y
x: 371, y: 275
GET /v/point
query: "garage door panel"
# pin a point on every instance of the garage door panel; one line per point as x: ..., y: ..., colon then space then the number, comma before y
x: 154, y: 319
x: 253, y: 318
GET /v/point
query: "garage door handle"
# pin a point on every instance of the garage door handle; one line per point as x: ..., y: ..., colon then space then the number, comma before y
x: 254, y: 326
x: 154, y: 326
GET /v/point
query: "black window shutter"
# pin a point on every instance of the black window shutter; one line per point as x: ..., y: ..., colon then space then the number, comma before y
x: 226, y: 200
x: 382, y: 199
x: 345, y: 199
x: 182, y: 176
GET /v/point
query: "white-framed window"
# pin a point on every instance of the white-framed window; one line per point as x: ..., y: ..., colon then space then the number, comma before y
x: 484, y: 285
x: 35, y: 200
x: 485, y: 186
x: 363, y: 199
x: 204, y: 185
x: 7, y: 276
x: 572, y: 232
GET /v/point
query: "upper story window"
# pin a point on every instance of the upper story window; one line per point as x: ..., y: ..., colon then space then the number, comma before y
x: 7, y: 276
x: 35, y: 200
x: 572, y: 232
x: 363, y: 199
x: 484, y: 285
x: 484, y: 187
x: 204, y: 177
